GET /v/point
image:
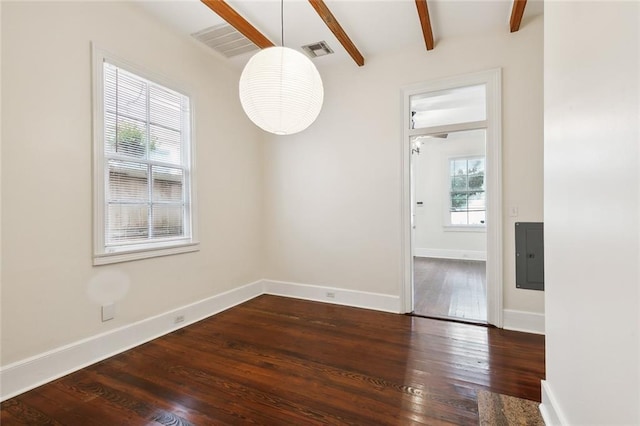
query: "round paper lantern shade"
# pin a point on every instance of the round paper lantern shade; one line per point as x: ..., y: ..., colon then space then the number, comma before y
x: 281, y: 90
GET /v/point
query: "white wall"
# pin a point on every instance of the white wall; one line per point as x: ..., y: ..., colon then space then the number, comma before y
x: 333, y: 192
x: 432, y: 235
x: 46, y: 239
x: 592, y: 133
x: 0, y: 175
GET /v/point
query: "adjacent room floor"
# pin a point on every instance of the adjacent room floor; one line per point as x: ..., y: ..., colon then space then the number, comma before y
x: 450, y: 288
x: 276, y: 360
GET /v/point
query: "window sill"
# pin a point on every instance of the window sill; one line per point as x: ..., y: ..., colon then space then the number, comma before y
x: 144, y: 253
x: 465, y: 228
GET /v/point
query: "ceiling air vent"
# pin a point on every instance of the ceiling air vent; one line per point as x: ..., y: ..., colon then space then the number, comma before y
x: 225, y: 39
x: 320, y: 48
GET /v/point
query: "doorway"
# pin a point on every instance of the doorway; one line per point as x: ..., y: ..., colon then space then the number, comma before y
x: 452, y: 236
x: 449, y: 225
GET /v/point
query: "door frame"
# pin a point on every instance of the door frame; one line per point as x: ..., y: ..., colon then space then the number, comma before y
x: 493, y: 81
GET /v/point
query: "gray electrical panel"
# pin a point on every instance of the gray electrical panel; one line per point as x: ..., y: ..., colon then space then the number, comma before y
x: 530, y: 255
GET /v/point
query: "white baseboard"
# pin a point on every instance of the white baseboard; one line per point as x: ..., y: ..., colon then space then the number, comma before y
x: 529, y: 322
x: 32, y: 372
x: 359, y: 299
x: 450, y: 254
x: 29, y: 373
x: 549, y: 408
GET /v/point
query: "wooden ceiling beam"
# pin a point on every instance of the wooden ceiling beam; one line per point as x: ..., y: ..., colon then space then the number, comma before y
x: 236, y: 20
x: 517, y: 11
x: 337, y: 30
x: 425, y: 23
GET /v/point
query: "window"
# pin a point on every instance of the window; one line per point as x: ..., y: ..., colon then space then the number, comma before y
x: 451, y: 106
x: 467, y: 191
x: 143, y: 204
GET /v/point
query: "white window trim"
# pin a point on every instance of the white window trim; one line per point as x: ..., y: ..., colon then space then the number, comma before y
x: 448, y: 226
x: 102, y: 254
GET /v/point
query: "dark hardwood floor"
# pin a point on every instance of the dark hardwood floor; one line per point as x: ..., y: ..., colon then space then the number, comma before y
x: 450, y: 288
x: 277, y: 361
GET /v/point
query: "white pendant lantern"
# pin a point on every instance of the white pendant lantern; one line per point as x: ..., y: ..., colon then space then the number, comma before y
x: 281, y: 90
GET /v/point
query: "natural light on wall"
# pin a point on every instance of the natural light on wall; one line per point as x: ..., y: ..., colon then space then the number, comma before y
x: 281, y: 90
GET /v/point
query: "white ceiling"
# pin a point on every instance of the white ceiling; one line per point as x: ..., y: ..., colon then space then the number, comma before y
x: 374, y: 26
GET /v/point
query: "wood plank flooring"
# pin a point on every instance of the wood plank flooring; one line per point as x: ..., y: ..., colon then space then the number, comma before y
x: 450, y: 288
x: 278, y: 361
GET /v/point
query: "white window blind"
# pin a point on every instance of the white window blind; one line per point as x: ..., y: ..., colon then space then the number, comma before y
x: 145, y: 164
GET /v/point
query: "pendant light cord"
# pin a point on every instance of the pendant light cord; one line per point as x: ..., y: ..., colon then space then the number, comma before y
x: 282, y: 22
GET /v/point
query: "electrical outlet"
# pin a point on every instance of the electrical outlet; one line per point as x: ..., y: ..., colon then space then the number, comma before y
x: 108, y: 312
x: 178, y: 319
x: 331, y: 295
